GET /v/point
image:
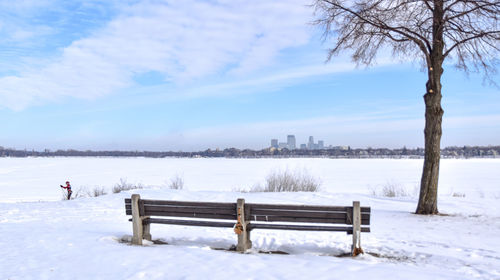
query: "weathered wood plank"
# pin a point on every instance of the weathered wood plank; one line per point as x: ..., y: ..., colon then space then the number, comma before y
x: 188, y: 209
x: 225, y: 205
x: 190, y: 223
x: 193, y: 215
x: 299, y: 227
x: 347, y: 229
x: 305, y: 207
x: 297, y: 207
x: 298, y: 213
x: 263, y: 218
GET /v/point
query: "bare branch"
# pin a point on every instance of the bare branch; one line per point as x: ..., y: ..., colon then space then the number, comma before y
x: 465, y: 30
x: 483, y: 6
x: 367, y: 14
x: 477, y: 36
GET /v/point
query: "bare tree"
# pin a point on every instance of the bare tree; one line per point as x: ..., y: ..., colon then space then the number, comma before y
x: 466, y: 32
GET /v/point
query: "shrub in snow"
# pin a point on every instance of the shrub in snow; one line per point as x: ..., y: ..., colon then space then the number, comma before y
x: 457, y: 194
x: 176, y: 183
x: 287, y: 181
x: 125, y: 186
x: 97, y: 191
x: 393, y: 189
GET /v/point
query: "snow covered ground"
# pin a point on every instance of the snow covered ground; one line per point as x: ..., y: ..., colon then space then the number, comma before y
x: 43, y: 237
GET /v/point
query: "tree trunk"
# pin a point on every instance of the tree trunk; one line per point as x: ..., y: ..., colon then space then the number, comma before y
x: 427, y: 202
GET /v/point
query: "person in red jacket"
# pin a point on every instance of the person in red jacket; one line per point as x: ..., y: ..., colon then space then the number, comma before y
x: 68, y: 188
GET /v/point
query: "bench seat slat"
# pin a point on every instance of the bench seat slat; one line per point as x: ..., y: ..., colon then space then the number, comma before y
x: 296, y: 207
x: 347, y: 229
x: 185, y: 209
x: 305, y: 207
x: 189, y: 222
x: 305, y: 213
x: 264, y: 218
x: 220, y: 205
x: 192, y: 215
x: 298, y: 213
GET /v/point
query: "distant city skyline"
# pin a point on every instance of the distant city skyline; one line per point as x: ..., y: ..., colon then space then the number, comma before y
x: 108, y: 75
x: 291, y: 144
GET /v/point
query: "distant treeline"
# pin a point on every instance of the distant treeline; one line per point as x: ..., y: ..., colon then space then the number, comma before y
x: 449, y: 152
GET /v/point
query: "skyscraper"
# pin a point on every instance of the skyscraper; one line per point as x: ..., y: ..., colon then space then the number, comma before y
x: 310, y: 144
x: 291, y: 142
x: 274, y: 143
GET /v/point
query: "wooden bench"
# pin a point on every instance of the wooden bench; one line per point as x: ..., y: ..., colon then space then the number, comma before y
x: 246, y: 217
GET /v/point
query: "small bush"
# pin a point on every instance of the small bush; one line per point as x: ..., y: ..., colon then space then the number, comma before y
x: 176, y: 183
x: 125, y: 186
x: 287, y: 181
x: 97, y: 191
x: 457, y: 194
x: 79, y: 193
x: 392, y: 189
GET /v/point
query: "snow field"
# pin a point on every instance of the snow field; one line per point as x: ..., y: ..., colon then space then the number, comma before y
x: 38, y: 179
x: 82, y: 238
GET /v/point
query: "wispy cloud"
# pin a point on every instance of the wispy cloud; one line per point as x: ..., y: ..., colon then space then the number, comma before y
x: 183, y: 40
x: 257, y: 83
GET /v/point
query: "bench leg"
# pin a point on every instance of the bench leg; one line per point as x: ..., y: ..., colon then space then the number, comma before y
x: 146, y: 231
x: 356, y: 229
x: 244, y: 242
x: 137, y: 226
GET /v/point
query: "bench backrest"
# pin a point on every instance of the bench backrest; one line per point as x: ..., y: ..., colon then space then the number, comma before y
x: 253, y: 212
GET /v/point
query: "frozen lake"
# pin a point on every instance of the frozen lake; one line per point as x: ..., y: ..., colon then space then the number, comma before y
x: 43, y: 234
x: 35, y: 179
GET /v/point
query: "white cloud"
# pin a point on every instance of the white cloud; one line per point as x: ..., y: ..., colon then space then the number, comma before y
x: 257, y: 83
x: 183, y: 40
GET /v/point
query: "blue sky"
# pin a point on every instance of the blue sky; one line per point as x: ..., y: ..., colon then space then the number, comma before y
x: 191, y: 75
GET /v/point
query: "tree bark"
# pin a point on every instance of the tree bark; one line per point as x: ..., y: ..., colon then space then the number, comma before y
x: 427, y: 202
